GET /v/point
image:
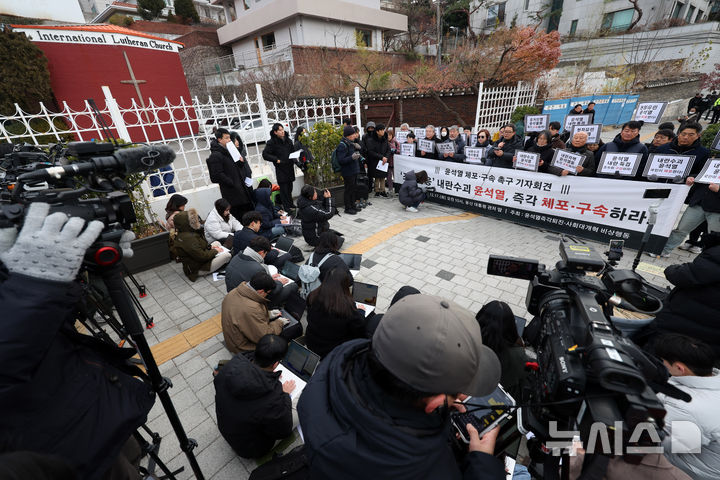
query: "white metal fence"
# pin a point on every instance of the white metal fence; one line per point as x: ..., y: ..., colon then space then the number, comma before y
x: 496, y: 106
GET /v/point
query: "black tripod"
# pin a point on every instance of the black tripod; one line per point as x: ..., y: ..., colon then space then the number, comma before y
x: 131, y: 328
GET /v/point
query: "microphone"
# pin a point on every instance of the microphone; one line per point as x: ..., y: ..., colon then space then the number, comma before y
x: 125, y: 162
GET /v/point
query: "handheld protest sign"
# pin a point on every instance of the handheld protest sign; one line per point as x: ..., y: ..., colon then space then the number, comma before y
x: 233, y: 151
x: 567, y: 161
x: 649, y: 112
x: 464, y: 137
x: 427, y: 146
x: 475, y: 154
x: 571, y: 120
x: 526, y: 161
x: 593, y: 131
x: 715, y: 145
x: 407, y: 149
x: 445, y: 147
x: 668, y: 166
x: 401, y: 136
x: 536, y: 123
x: 623, y: 164
x: 710, y: 172
x: 419, y: 133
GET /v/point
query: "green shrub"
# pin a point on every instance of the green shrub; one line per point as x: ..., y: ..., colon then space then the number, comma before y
x: 323, y: 140
x: 709, y: 135
x: 520, y: 112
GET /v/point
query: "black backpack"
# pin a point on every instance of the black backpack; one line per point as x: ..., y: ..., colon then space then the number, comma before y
x: 291, y: 466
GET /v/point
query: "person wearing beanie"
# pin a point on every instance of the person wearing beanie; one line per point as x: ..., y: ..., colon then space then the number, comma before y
x: 378, y: 151
x: 348, y: 158
x: 380, y: 408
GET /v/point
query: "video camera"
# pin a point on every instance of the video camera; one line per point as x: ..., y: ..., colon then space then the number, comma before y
x: 588, y: 374
x: 92, y: 187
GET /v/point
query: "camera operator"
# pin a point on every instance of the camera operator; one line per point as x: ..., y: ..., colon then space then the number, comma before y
x: 61, y: 393
x: 381, y: 408
x: 314, y: 214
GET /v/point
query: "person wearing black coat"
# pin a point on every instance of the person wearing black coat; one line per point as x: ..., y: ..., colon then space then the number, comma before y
x: 332, y: 316
x: 349, y: 160
x: 230, y: 175
x: 277, y: 151
x: 306, y: 157
x: 252, y: 221
x: 542, y: 145
x: 377, y: 150
x: 313, y: 214
x: 503, y: 151
x: 692, y: 306
x: 253, y: 408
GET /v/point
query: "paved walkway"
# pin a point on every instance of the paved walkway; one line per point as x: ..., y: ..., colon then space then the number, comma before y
x: 440, y: 250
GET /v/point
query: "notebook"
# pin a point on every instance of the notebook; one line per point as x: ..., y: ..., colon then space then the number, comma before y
x: 352, y: 260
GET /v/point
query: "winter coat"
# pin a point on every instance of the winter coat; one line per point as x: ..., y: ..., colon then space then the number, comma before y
x: 376, y: 149
x: 264, y: 205
x: 546, y: 155
x: 280, y: 149
x: 314, y: 217
x: 245, y: 319
x: 353, y: 430
x: 509, y: 147
x: 190, y: 244
x: 429, y: 155
x: 230, y: 175
x: 328, y: 265
x: 394, y: 149
x: 702, y: 412
x: 242, y: 267
x: 591, y: 113
x: 242, y: 238
x: 410, y: 192
x: 63, y: 393
x: 306, y: 157
x: 217, y: 229
x: 345, y: 151
x: 691, y: 307
x: 252, y: 409
x: 588, y: 163
x: 699, y: 194
x: 459, y: 154
x: 326, y: 331
x: 618, y: 145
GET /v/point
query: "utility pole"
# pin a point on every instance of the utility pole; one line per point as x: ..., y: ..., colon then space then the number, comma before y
x: 439, y: 34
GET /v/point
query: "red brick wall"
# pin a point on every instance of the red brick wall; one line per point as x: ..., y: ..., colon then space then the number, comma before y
x: 169, y: 28
x: 303, y: 58
x: 420, y: 111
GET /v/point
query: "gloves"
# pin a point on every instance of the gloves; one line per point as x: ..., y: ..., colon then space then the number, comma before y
x: 275, y: 314
x: 50, y: 247
x: 356, y: 156
x: 284, y: 321
x: 357, y: 146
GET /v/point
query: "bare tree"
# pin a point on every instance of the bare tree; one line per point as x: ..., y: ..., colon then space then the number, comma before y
x: 636, y: 7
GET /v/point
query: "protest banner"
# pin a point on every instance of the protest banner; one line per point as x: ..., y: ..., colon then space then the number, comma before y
x: 536, y: 123
x: 649, y: 112
x: 407, y: 149
x: 475, y: 155
x: 401, y: 136
x: 571, y: 120
x: 578, y: 206
x: 623, y: 164
x: 445, y: 147
x: 427, y: 146
x: 593, y: 132
x: 419, y: 133
x: 526, y: 161
x: 710, y: 172
x: 668, y: 166
x: 567, y: 160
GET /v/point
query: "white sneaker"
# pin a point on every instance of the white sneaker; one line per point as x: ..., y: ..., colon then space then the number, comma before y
x: 686, y: 246
x: 695, y: 249
x: 411, y: 209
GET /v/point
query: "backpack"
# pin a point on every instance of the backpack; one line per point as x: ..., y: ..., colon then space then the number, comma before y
x: 309, y: 275
x: 336, y: 167
x: 291, y: 466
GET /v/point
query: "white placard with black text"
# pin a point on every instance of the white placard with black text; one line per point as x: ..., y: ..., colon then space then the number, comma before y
x: 475, y: 155
x: 649, y: 112
x: 536, y: 123
x: 419, y: 133
x: 668, y: 166
x: 427, y: 146
x: 445, y: 147
x: 593, y: 131
x: 624, y: 164
x: 401, y: 136
x: 526, y: 161
x: 407, y: 149
x: 710, y: 172
x: 571, y: 120
x: 567, y: 161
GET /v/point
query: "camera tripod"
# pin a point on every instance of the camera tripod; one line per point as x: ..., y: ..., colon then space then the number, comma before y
x: 128, y: 327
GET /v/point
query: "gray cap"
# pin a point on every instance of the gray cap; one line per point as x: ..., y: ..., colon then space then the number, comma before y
x: 435, y: 345
x: 370, y: 124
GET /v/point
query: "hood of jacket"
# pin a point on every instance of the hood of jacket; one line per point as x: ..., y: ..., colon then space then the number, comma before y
x: 344, y: 409
x: 303, y: 202
x: 247, y: 381
x: 618, y: 139
x: 410, y: 176
x: 262, y: 195
x: 187, y: 221
x: 216, y: 147
x: 682, y: 149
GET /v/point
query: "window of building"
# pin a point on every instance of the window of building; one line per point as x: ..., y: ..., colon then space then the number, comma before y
x: 573, y: 27
x: 689, y: 14
x: 676, y: 10
x: 246, y: 4
x: 495, y: 14
x: 619, y: 20
x: 699, y: 16
x: 268, y: 41
x: 363, y: 38
x: 527, y: 4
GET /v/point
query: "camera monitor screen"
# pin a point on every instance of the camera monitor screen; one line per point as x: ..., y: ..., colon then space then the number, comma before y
x: 512, y: 267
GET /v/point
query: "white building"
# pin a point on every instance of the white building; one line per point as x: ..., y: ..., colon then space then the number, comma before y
x: 257, y: 29
x: 99, y: 11
x: 586, y: 17
x: 63, y: 11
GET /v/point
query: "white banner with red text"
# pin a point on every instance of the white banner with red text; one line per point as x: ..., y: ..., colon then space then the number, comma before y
x: 594, y: 208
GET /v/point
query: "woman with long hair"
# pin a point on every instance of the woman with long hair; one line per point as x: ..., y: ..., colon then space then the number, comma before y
x: 500, y: 333
x: 543, y: 145
x: 332, y: 315
x: 277, y: 151
x: 220, y: 224
x: 301, y: 143
x: 175, y: 205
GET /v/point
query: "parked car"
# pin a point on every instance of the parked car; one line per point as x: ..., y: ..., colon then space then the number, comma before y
x: 225, y: 122
x: 252, y: 130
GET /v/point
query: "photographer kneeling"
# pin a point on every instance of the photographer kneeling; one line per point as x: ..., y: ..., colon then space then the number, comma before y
x: 381, y: 408
x: 314, y: 215
x: 61, y: 393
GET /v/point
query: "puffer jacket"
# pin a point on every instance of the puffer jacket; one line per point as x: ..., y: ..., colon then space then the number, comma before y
x: 230, y: 175
x: 508, y: 147
x: 217, y: 228
x: 410, y: 193
x: 264, y: 205
x: 252, y: 409
x: 280, y: 149
x: 618, y: 145
x: 190, y: 244
x: 314, y: 217
x: 245, y: 319
x: 376, y: 149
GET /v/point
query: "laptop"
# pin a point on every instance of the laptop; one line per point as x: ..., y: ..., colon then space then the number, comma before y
x: 301, y: 361
x: 291, y: 270
x: 352, y: 260
x: 284, y: 243
x: 366, y: 295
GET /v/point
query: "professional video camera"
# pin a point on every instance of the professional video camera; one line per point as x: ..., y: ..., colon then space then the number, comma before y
x: 589, y: 376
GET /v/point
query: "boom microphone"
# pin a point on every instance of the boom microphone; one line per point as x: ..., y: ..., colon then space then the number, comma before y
x: 125, y: 161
